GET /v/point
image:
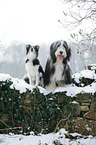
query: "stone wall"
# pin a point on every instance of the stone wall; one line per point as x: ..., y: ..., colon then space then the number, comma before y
x: 85, y: 123
x: 85, y: 103
x: 84, y: 119
x: 55, y: 106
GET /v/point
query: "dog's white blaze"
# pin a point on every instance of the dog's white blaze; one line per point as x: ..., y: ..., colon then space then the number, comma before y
x: 31, y: 55
x: 58, y: 72
x: 57, y: 76
x: 32, y: 73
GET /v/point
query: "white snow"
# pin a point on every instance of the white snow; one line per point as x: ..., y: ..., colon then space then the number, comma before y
x: 41, y: 139
x: 72, y: 90
x: 20, y: 84
x: 84, y: 73
x: 4, y: 77
x: 74, y: 102
x: 75, y: 134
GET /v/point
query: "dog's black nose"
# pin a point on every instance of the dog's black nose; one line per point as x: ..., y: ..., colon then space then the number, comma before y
x: 61, y: 52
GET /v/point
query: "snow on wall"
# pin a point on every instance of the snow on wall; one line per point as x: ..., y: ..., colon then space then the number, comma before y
x: 71, y: 90
x: 20, y: 84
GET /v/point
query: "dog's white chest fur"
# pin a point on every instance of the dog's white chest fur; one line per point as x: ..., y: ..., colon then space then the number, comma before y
x: 32, y: 72
x: 58, y: 72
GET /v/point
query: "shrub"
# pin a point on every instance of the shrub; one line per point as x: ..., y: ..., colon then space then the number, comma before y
x: 41, y: 113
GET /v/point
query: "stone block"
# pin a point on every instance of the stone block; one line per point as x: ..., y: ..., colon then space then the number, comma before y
x: 85, y: 104
x: 27, y: 100
x: 82, y: 126
x: 84, y: 97
x: 84, y: 108
x: 90, y: 115
x: 76, y: 106
x: 93, y: 106
x: 85, y: 127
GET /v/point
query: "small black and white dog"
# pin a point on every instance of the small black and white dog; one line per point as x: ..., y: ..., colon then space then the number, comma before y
x: 33, y: 66
x: 57, y: 70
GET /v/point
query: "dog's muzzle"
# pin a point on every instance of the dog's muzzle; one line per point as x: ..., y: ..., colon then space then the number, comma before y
x: 60, y: 57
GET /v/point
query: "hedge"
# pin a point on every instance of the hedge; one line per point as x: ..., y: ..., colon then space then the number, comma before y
x: 40, y: 113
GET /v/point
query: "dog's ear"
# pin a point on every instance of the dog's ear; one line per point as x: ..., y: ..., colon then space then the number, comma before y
x: 54, y: 46
x: 28, y: 46
x: 52, y: 52
x: 36, y: 47
x: 68, y: 50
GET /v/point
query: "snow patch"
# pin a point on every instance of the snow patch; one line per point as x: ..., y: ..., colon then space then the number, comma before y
x: 84, y: 73
x: 4, y: 77
x: 72, y: 90
x: 20, y: 84
x: 74, y: 102
x: 42, y: 139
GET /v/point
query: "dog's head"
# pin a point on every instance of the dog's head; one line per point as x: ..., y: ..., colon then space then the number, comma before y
x: 60, y: 51
x: 32, y: 51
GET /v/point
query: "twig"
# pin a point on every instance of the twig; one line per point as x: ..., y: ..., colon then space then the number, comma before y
x: 30, y: 116
x: 60, y: 122
x: 58, y: 125
x: 12, y: 128
x: 4, y: 123
x: 9, y: 128
x: 12, y: 113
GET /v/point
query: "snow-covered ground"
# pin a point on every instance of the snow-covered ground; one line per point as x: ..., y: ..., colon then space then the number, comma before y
x: 47, y: 139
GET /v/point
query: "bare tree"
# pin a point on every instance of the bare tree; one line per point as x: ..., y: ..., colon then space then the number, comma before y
x: 80, y: 17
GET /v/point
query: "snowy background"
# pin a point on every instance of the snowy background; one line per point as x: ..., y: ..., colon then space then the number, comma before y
x: 12, y: 58
x: 34, y: 22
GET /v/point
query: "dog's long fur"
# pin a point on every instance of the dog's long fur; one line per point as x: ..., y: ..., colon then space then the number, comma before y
x: 33, y: 66
x: 57, y: 70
